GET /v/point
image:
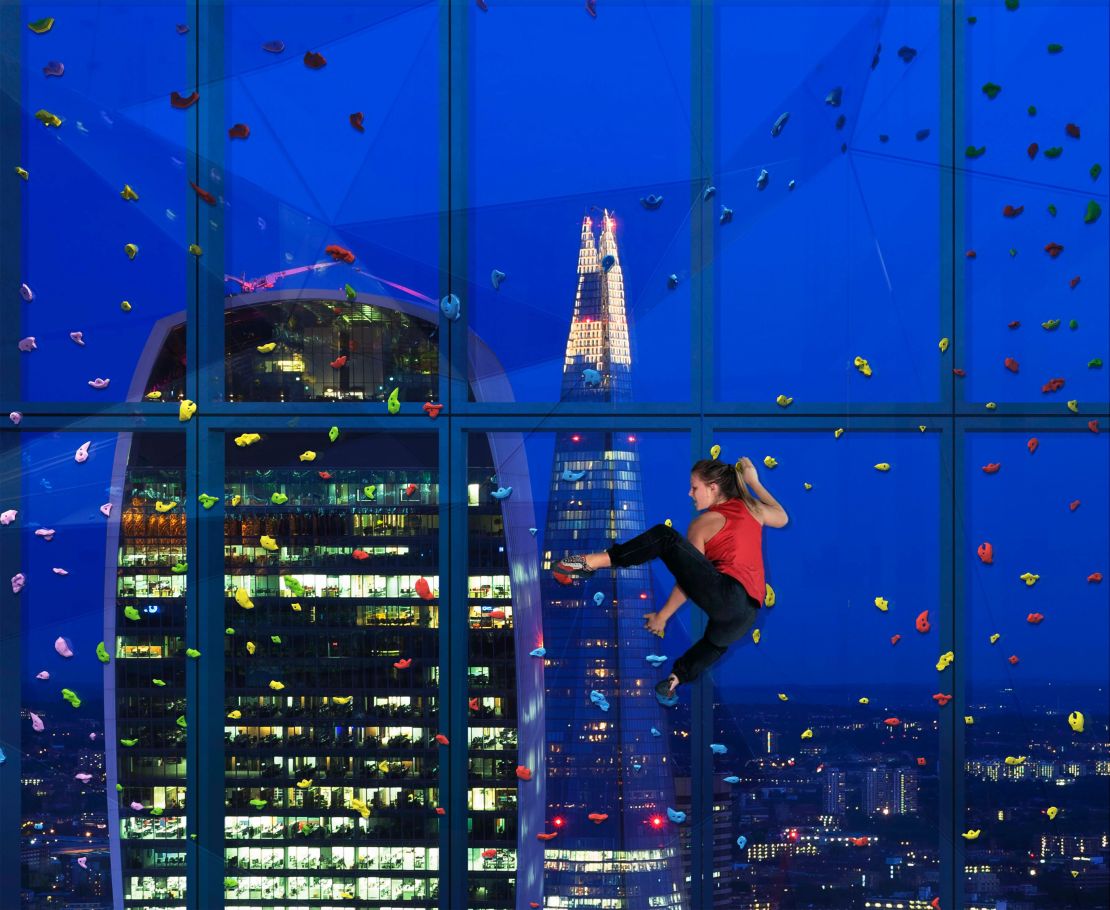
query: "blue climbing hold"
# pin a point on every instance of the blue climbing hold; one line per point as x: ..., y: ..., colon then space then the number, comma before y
x: 655, y: 732
x: 718, y: 749
x: 502, y: 493
x: 741, y: 842
x: 833, y: 98
x: 537, y: 652
x: 672, y: 281
x: 656, y: 660
x: 591, y: 378
x: 636, y: 766
x: 450, y: 306
x: 708, y: 194
x: 608, y: 261
x: 780, y: 123
x: 496, y: 277
x: 732, y: 779
x: 570, y: 475
x: 675, y: 816
x: 651, y: 202
x: 599, y: 598
x: 761, y: 180
x: 726, y: 214
x: 533, y: 531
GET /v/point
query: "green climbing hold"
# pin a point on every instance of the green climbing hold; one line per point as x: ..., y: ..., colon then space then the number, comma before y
x: 229, y: 882
x: 207, y: 501
x: 259, y: 803
x: 1055, y: 152
x: 229, y: 631
x: 1073, y: 324
x: 349, y: 291
x: 181, y: 722
x: 991, y: 90
x: 157, y: 811
x: 1093, y: 211
x: 1011, y: 5
x: 1055, y: 48
x: 158, y: 682
x: 1096, y: 169
x: 192, y: 652
x: 179, y: 568
x: 1032, y: 110
x: 1050, y: 324
x: 102, y: 653
x: 971, y: 20
x: 129, y: 743
x: 1096, y: 362
x: 972, y: 152
x: 368, y: 490
x: 1013, y: 252
x: 276, y: 639
x: 333, y: 434
x: 293, y: 585
x: 1052, y: 210
x: 119, y: 788
x: 192, y: 837
x: 279, y: 499
x: 394, y: 403
x: 71, y: 696
x: 131, y: 613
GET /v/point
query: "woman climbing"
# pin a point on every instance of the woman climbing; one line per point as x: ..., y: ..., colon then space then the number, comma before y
x: 719, y: 565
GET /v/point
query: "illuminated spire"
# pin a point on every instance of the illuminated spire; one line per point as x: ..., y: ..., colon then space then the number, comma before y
x: 588, y: 260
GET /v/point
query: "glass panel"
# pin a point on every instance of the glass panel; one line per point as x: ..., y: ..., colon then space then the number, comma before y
x: 1036, y: 626
x: 593, y: 161
x: 103, y: 617
x: 332, y: 664
x: 86, y: 247
x: 579, y: 748
x: 335, y: 193
x: 843, y: 794
x: 1037, y: 285
x: 829, y: 167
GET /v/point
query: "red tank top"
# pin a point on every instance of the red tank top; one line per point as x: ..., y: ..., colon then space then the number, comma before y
x: 737, y: 549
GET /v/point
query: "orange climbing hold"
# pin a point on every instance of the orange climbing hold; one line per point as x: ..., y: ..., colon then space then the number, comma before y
x: 1053, y: 385
x: 992, y: 468
x: 941, y: 699
x: 1073, y: 282
x: 1010, y: 364
x: 922, y: 621
x: 339, y: 253
x: 597, y: 817
x: 423, y: 588
x: 1095, y: 577
x: 1032, y: 444
x: 986, y: 553
x: 1034, y: 618
x: 551, y: 836
x: 1053, y: 249
x: 523, y: 773
x: 894, y: 639
x: 1013, y: 658
x: 1073, y: 505
x: 892, y: 721
x: 403, y: 664
x: 1011, y: 212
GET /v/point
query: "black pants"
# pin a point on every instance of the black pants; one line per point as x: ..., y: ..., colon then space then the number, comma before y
x: 731, y: 609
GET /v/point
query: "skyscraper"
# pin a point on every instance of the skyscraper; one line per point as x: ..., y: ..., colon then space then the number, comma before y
x: 602, y: 756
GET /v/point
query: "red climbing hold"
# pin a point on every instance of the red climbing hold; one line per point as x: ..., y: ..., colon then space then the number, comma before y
x: 356, y: 121
x: 922, y: 621
x: 1032, y: 444
x: 1073, y: 505
x: 1053, y: 249
x: 1013, y: 658
x: 1094, y: 577
x: 339, y: 362
x: 1092, y: 425
x: 1053, y: 385
x: 423, y: 589
x: 313, y: 60
x: 597, y: 817
x: 360, y: 554
x: 442, y: 740
x: 410, y: 489
x: 959, y: 372
x: 489, y: 854
x: 941, y: 699
x: 1010, y: 212
x: 204, y: 194
x: 239, y: 131
x: 1013, y: 325
x: 986, y: 553
x: 324, y: 475
x: 180, y: 102
x: 1073, y: 282
x: 523, y: 773
x: 970, y: 254
x: 992, y: 468
x: 473, y: 704
x: 339, y: 253
x: 1010, y: 364
x: 1072, y: 130
x: 921, y: 761
x: 1034, y: 618
x: 892, y: 721
x: 1032, y: 150
x: 554, y: 834
x: 440, y: 811
x: 432, y: 410
x: 403, y: 664
x: 860, y: 841
x: 894, y: 639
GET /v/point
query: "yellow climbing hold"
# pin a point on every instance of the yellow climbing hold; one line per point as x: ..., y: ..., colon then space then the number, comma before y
x: 1015, y: 759
x: 995, y: 637
x: 838, y: 432
x: 783, y: 400
x: 971, y: 833
x: 769, y: 462
x: 756, y: 635
x: 247, y: 439
x: 195, y: 249
x: 296, y: 607
x: 359, y: 806
x: 308, y: 455
x: 807, y: 734
x: 153, y: 396
x: 1073, y: 405
x: 668, y: 523
x: 945, y: 660
x: 276, y: 686
x: 342, y: 699
x: 22, y: 173
x: 266, y: 348
x: 882, y: 604
x: 160, y: 506
x: 41, y: 26
x: 990, y: 406
x: 243, y: 598
x: 234, y: 715
x: 969, y: 719
x: 782, y: 697
x: 863, y: 366
x: 714, y: 452
x: 250, y: 647
x: 1075, y: 721
x: 127, y: 193
x: 1029, y: 578
x: 125, y: 306
x: 883, y: 466
x: 1051, y: 812
x: 236, y: 499
x: 865, y: 700
x: 769, y: 599
x: 186, y: 410
x: 131, y: 249
x: 943, y: 345
x: 48, y: 119
x: 808, y: 486
x: 268, y: 543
